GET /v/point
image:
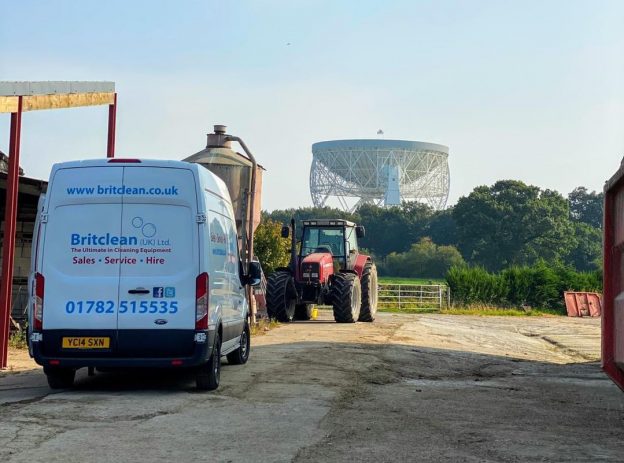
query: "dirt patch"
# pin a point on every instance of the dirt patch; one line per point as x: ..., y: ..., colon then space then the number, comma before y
x: 405, y: 388
x: 19, y: 361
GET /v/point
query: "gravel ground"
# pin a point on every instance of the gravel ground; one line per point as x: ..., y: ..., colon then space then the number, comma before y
x: 405, y: 388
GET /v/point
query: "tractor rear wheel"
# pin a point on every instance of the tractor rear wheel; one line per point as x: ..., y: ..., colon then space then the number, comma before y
x: 281, y: 296
x: 346, y: 295
x: 303, y: 311
x: 369, y: 293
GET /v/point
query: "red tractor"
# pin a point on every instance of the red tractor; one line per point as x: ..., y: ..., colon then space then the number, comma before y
x: 327, y: 270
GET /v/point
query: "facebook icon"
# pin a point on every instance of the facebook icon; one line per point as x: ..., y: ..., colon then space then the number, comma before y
x: 158, y: 291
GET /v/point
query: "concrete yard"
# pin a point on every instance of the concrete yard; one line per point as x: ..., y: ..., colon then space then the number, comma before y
x: 406, y: 388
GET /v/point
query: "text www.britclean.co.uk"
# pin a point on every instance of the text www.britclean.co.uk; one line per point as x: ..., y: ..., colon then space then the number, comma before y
x: 112, y: 190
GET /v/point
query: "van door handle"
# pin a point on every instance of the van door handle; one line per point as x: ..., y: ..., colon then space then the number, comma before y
x: 139, y: 291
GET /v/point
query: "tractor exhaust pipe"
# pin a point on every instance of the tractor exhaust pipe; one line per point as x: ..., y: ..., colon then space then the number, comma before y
x: 293, y: 248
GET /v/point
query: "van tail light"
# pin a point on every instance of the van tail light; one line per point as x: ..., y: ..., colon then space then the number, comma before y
x: 123, y: 160
x: 201, y: 302
x: 38, y: 302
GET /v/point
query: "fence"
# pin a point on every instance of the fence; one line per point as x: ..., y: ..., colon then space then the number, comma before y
x: 413, y: 297
x: 392, y: 296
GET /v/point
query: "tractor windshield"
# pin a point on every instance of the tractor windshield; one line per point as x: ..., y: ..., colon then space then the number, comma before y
x: 323, y: 240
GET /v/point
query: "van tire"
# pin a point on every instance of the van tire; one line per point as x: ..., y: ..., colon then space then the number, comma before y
x: 303, y: 311
x: 209, y: 374
x: 346, y: 296
x: 60, y: 378
x: 281, y: 296
x: 369, y: 293
x: 241, y: 355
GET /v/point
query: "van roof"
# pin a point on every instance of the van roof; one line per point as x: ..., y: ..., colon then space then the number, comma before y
x: 120, y: 162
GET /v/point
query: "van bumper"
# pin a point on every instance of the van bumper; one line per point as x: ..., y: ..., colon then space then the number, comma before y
x: 48, y: 355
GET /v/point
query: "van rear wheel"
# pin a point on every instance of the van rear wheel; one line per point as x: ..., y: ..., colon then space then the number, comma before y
x: 209, y: 374
x: 60, y: 378
x: 241, y: 355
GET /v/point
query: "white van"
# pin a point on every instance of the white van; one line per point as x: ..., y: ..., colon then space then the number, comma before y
x: 136, y: 264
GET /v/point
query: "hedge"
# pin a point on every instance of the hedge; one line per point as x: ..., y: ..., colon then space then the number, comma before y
x: 539, y: 286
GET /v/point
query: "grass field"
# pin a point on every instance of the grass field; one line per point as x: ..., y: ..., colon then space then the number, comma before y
x: 500, y: 311
x: 412, y: 305
x: 411, y: 281
x: 479, y: 311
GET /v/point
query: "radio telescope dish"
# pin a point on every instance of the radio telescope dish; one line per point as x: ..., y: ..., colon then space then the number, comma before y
x: 380, y: 172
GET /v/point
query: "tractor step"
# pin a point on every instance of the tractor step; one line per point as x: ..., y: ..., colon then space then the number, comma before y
x: 259, y: 293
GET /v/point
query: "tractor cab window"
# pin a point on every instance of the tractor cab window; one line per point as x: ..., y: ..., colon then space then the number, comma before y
x: 323, y: 239
x: 352, y: 245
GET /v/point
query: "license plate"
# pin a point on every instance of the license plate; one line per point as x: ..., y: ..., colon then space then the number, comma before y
x: 86, y: 343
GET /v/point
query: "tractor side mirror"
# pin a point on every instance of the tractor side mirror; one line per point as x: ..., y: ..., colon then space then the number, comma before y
x: 360, y: 231
x: 254, y: 277
x: 285, y: 231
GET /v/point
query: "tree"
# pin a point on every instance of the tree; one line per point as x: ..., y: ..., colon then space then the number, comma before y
x: 425, y: 259
x: 283, y: 216
x: 271, y: 249
x: 511, y: 223
x: 393, y: 229
x: 586, y: 207
x: 586, y: 255
x: 442, y: 228
x: 388, y: 229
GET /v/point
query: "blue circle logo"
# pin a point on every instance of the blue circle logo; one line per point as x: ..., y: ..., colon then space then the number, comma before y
x: 147, y: 229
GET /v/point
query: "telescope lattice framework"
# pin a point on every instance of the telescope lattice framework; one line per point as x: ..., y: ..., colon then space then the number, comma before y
x: 380, y: 172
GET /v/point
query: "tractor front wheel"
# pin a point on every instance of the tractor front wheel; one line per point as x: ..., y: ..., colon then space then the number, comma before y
x: 346, y: 295
x: 281, y: 296
x: 369, y: 293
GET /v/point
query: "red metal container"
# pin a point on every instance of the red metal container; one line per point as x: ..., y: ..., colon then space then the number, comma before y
x: 613, y: 304
x: 583, y: 304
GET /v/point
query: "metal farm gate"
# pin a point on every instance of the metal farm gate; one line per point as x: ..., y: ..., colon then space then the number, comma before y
x: 413, y: 297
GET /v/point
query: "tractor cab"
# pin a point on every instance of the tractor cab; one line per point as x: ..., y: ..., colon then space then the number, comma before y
x: 337, y: 237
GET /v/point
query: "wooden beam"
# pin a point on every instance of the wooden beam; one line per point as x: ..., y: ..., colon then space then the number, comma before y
x: 8, y: 104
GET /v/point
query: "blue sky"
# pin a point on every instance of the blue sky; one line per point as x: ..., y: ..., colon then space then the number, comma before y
x: 529, y: 90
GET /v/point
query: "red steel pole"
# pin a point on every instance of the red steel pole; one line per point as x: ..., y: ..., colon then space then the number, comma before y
x: 8, y: 246
x: 112, y: 122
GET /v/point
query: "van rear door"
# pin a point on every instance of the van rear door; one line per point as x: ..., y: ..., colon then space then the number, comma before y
x: 78, y: 236
x: 159, y: 267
